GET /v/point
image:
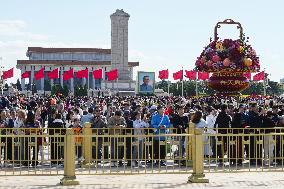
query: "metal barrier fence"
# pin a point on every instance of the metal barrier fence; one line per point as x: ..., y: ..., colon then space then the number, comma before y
x: 86, y: 151
x: 247, y: 149
x: 75, y: 151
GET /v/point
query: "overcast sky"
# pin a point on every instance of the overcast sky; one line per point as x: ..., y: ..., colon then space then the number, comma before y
x: 162, y: 34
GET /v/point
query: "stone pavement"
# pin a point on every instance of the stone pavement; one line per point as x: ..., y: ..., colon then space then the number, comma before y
x: 217, y: 180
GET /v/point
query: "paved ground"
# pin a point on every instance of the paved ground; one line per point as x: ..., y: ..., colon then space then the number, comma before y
x: 217, y: 180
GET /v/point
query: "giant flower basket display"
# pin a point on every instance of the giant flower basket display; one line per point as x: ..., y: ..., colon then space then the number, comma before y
x: 228, y: 60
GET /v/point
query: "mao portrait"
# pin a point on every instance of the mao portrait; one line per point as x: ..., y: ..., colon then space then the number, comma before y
x: 146, y: 82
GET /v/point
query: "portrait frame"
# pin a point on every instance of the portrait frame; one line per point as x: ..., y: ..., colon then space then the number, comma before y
x: 145, y: 87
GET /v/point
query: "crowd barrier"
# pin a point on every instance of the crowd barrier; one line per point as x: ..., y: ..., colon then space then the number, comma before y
x: 122, y: 151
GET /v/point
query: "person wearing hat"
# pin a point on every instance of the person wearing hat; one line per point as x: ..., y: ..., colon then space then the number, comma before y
x: 160, y: 123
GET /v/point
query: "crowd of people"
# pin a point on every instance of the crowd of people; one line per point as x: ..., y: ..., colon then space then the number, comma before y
x: 141, y: 116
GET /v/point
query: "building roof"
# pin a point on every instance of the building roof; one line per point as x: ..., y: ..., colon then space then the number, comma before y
x: 68, y: 50
x: 63, y: 62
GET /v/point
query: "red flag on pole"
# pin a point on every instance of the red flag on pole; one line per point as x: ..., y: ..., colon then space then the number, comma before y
x: 178, y: 75
x: 190, y: 74
x: 26, y: 74
x: 53, y: 74
x: 40, y: 74
x: 98, y: 74
x: 203, y: 75
x: 82, y: 73
x: 8, y: 74
x: 259, y: 76
x: 68, y: 75
x: 164, y: 74
x: 248, y: 75
x: 112, y: 75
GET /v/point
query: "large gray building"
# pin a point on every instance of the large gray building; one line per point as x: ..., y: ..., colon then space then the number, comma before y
x: 81, y: 58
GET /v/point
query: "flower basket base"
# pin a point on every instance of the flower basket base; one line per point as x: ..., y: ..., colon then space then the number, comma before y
x: 228, y: 83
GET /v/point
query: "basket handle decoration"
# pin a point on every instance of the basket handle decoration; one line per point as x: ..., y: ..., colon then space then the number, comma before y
x: 227, y: 21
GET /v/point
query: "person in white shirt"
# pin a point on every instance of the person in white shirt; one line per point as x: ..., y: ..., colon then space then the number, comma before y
x: 138, y: 126
x: 211, y: 119
x: 201, y: 124
x: 19, y: 125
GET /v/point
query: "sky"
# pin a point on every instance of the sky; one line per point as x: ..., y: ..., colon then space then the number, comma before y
x: 163, y: 34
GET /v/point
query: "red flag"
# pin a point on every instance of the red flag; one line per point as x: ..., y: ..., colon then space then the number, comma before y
x: 112, y: 75
x: 203, y: 75
x: 26, y: 74
x: 68, y: 75
x: 98, y: 74
x: 40, y: 74
x: 164, y: 74
x: 248, y: 75
x: 260, y: 76
x: 190, y: 74
x: 82, y: 73
x: 178, y: 75
x: 8, y: 74
x: 53, y: 74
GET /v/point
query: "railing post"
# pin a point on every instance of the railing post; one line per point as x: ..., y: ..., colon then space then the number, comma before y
x: 87, y: 145
x: 69, y: 160
x: 190, y: 131
x: 198, y: 157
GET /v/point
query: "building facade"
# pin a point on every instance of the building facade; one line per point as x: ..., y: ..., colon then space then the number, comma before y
x: 82, y: 58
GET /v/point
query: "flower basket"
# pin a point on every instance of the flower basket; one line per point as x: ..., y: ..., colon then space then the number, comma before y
x: 228, y: 60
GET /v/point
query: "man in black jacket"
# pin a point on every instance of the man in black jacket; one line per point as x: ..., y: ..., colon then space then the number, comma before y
x: 180, y: 122
x: 255, y: 121
x: 56, y: 132
x: 128, y: 130
x: 238, y: 124
x: 223, y: 123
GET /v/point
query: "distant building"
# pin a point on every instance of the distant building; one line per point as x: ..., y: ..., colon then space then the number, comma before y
x: 81, y: 58
x: 282, y: 81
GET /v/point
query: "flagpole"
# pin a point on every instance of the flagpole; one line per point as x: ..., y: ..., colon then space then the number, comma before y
x: 117, y: 85
x: 196, y: 87
x: 168, y: 87
x: 264, y: 84
x: 182, y: 83
x: 2, y: 82
x: 88, y: 83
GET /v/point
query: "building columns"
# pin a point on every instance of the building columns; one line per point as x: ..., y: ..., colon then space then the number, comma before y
x: 72, y: 85
x: 61, y: 76
x: 51, y: 83
x: 42, y: 84
x: 23, y: 80
x: 32, y: 77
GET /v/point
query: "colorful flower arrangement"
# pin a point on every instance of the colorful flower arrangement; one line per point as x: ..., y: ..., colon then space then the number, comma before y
x: 230, y: 55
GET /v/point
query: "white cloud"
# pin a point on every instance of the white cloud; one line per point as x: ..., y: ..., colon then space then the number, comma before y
x: 15, y: 28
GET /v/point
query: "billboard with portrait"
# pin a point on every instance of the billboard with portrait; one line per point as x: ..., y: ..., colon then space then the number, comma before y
x: 146, y: 82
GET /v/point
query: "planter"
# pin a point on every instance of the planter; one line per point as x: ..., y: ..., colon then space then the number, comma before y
x: 228, y: 83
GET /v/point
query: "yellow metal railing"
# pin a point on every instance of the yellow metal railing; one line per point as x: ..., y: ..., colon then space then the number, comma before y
x: 243, y: 149
x: 75, y: 151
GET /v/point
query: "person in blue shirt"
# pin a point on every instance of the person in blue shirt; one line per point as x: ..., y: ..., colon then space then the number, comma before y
x: 160, y: 123
x: 145, y: 87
